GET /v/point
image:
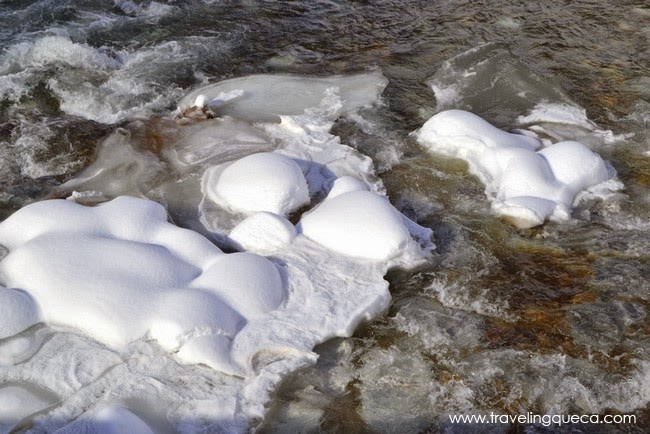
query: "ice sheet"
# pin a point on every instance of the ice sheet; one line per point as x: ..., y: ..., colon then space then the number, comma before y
x: 265, y: 98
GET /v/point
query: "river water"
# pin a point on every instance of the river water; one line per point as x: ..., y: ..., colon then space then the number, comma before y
x: 549, y: 320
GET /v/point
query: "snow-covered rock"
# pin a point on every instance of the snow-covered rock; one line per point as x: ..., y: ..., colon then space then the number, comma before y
x: 526, y: 183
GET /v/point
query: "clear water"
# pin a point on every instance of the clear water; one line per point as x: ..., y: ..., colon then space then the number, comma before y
x: 548, y: 320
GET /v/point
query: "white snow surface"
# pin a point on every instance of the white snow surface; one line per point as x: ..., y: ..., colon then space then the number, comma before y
x: 122, y: 319
x: 264, y: 181
x: 361, y: 224
x: 263, y: 232
x: 108, y: 419
x: 17, y: 402
x: 526, y: 183
x: 119, y: 272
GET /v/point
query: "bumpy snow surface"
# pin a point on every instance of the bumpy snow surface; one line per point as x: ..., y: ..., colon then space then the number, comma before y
x: 120, y: 272
x: 151, y: 327
x: 526, y: 182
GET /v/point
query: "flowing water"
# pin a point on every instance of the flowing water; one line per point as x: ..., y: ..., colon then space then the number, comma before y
x: 550, y: 320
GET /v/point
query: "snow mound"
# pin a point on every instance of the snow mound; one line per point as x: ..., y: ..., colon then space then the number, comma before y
x: 260, y: 182
x: 108, y: 419
x: 17, y: 403
x: 18, y: 311
x: 525, y: 185
x: 361, y: 224
x: 120, y: 272
x: 346, y: 184
x: 136, y: 295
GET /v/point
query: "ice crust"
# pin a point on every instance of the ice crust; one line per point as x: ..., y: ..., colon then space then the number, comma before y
x: 109, y: 419
x: 142, y: 306
x: 526, y: 182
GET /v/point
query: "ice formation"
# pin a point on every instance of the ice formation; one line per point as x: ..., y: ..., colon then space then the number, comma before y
x: 306, y: 143
x: 263, y: 232
x: 18, y: 311
x: 526, y: 185
x: 135, y: 295
x: 17, y: 402
x: 109, y: 419
x: 566, y: 121
x: 264, y: 98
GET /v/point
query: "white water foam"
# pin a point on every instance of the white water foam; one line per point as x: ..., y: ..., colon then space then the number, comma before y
x: 102, y: 84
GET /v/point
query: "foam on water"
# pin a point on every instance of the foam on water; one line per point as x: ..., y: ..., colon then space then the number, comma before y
x: 27, y: 152
x: 20, y: 62
x: 395, y: 387
x: 151, y: 10
x: 102, y: 84
x: 456, y: 381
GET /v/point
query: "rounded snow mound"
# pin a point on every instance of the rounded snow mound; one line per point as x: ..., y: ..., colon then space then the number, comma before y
x: 265, y: 181
x: 360, y: 224
x: 263, y: 232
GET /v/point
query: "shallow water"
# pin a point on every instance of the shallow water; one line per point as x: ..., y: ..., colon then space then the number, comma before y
x: 552, y: 320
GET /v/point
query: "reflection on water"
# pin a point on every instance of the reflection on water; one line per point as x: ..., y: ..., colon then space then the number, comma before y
x: 548, y: 320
